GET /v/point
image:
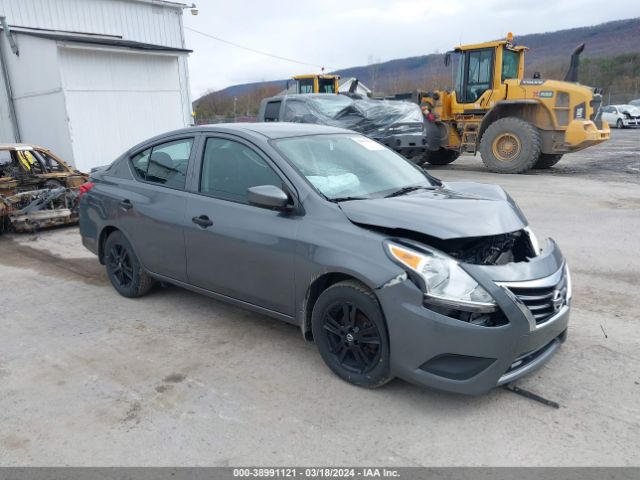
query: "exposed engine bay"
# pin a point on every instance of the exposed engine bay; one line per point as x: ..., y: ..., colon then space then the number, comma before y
x: 492, y: 250
x: 487, y: 250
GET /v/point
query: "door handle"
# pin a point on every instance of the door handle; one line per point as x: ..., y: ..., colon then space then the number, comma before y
x: 203, y: 221
x: 126, y: 204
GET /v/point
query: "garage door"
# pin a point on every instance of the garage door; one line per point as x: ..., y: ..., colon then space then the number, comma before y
x: 115, y: 99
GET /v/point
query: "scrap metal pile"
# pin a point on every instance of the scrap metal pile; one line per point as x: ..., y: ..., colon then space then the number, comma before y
x: 36, y: 209
x: 37, y: 189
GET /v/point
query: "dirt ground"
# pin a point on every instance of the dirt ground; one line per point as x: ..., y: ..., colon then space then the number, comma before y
x: 90, y: 378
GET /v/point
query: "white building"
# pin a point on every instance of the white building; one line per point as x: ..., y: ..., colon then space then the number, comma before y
x: 90, y: 78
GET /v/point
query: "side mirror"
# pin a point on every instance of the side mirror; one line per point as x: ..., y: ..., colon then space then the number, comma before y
x: 268, y: 196
x: 447, y: 59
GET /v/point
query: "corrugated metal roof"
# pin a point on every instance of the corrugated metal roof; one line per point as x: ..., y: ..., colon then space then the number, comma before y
x: 158, y: 23
x: 163, y: 3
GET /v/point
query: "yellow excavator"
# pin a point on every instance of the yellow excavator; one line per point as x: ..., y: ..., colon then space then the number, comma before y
x: 316, y: 83
x: 516, y: 123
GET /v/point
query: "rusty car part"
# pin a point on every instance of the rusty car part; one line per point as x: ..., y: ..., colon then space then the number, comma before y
x: 37, y: 189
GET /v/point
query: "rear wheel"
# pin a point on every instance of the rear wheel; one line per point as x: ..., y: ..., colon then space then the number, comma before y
x: 510, y: 145
x: 123, y: 267
x: 351, y: 335
x: 440, y: 157
x: 547, y: 160
x: 619, y: 123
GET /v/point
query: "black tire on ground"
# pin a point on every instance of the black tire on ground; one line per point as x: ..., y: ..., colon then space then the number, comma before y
x: 510, y: 145
x: 619, y: 123
x: 123, y: 267
x: 547, y: 160
x: 440, y: 157
x: 350, y: 332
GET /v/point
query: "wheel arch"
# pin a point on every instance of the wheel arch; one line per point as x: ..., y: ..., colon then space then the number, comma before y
x: 315, y: 289
x: 106, y: 231
x: 528, y: 110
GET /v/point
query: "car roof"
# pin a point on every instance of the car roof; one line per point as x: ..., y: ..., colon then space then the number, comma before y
x: 17, y: 146
x: 270, y: 130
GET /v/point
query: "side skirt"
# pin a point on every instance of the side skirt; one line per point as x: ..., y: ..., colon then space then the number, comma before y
x: 225, y: 298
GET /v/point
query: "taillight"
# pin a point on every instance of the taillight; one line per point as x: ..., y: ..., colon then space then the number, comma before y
x: 429, y: 115
x: 84, y: 188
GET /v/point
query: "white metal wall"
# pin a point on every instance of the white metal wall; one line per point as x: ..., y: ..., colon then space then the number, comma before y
x: 131, y: 19
x: 89, y: 104
x: 38, y: 96
x: 115, y: 99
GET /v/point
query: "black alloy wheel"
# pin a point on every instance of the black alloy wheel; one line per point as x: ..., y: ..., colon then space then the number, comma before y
x: 349, y: 329
x: 353, y: 339
x: 120, y: 265
x: 123, y: 267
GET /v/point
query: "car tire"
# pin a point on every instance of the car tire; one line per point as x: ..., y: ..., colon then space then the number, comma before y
x: 441, y: 157
x: 349, y: 329
x: 620, y: 124
x: 123, y: 267
x: 547, y: 160
x: 510, y: 145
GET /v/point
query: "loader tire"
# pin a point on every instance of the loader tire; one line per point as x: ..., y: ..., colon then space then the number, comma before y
x: 547, y: 160
x: 510, y: 145
x: 440, y: 157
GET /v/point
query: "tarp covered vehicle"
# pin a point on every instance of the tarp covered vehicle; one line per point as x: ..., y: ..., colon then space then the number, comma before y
x: 397, y: 124
x: 37, y: 189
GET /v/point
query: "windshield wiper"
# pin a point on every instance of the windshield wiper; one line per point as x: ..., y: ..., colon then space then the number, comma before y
x: 404, y: 190
x: 344, y: 199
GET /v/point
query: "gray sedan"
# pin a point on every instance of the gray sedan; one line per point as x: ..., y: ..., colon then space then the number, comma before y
x: 390, y: 271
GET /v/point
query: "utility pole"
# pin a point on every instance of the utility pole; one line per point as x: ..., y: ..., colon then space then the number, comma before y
x: 7, y: 79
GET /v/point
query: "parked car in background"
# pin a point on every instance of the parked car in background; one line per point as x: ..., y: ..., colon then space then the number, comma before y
x: 621, y: 116
x: 37, y: 188
x: 635, y: 103
x: 397, y: 124
x: 390, y: 271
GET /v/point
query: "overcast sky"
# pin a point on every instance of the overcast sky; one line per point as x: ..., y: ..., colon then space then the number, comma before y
x: 337, y: 34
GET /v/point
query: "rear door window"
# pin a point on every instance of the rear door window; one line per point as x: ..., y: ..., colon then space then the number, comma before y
x: 165, y: 164
x: 50, y: 163
x: 272, y: 111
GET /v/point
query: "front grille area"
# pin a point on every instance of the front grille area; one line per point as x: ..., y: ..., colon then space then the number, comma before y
x: 543, y: 302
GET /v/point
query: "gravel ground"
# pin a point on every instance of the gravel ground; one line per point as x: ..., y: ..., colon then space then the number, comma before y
x: 90, y: 378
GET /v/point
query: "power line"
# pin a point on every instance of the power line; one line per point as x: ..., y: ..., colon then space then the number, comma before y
x: 267, y: 54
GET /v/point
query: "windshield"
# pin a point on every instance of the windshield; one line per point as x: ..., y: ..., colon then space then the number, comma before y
x: 331, y: 105
x: 346, y: 166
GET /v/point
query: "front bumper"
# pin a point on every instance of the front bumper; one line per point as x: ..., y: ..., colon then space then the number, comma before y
x: 631, y: 122
x: 584, y: 133
x: 442, y: 352
x: 408, y: 145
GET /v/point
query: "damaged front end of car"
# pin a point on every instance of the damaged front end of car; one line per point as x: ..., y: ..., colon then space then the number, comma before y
x: 472, y: 311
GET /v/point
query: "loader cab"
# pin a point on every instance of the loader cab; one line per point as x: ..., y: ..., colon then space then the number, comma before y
x: 480, y: 72
x: 316, y: 83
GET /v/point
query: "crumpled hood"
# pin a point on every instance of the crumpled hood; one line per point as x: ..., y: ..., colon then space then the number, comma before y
x: 455, y: 210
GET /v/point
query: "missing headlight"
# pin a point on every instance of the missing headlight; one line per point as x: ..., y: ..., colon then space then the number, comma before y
x: 492, y: 319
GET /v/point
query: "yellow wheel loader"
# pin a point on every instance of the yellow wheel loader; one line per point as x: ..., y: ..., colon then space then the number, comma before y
x: 314, y: 83
x: 516, y: 123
